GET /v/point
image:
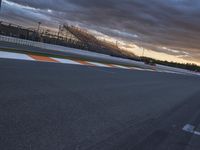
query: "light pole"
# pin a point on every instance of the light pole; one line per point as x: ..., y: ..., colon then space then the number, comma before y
x: 117, y: 43
x: 143, y: 52
x: 59, y: 30
x: 38, y: 29
x: 39, y: 23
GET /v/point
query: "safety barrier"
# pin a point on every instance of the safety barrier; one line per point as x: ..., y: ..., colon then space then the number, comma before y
x: 62, y: 49
x: 22, y: 41
x: 85, y: 53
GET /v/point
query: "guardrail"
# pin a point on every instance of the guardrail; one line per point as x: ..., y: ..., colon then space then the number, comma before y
x: 22, y: 41
x: 88, y: 54
x: 73, y: 51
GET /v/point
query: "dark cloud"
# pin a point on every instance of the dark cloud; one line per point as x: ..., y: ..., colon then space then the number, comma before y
x: 167, y: 23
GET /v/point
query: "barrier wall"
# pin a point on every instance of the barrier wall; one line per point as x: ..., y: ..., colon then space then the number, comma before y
x: 72, y: 51
x: 88, y: 54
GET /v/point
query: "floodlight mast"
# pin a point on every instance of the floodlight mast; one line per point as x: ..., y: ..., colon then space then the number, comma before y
x: 39, y: 24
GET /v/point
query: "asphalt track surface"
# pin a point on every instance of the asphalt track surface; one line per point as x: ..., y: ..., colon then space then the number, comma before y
x: 49, y: 106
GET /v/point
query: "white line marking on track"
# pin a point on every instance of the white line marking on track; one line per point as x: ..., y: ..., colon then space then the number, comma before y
x: 190, y: 128
x: 98, y: 64
x: 196, y: 132
x: 122, y: 67
x: 166, y: 71
x: 10, y: 55
x: 151, y: 70
x: 66, y: 61
x: 136, y: 68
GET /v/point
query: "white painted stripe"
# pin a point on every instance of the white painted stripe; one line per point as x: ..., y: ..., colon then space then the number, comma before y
x: 190, y: 128
x: 135, y: 68
x: 150, y: 70
x: 66, y: 61
x: 166, y: 71
x: 196, y: 133
x: 11, y: 55
x: 122, y: 67
x: 141, y: 69
x: 98, y: 64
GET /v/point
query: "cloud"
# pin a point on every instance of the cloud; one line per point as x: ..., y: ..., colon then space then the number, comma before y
x: 159, y: 23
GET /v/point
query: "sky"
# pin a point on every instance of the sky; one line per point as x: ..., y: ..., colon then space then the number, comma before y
x: 165, y: 29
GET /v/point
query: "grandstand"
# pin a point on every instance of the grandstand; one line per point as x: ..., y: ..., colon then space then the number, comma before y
x: 67, y: 35
x: 94, y: 44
